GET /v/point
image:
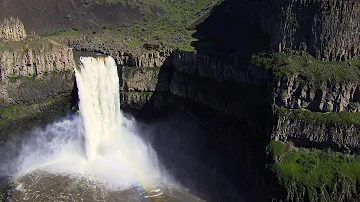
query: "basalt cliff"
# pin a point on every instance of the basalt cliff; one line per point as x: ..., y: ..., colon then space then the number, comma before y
x: 278, y: 91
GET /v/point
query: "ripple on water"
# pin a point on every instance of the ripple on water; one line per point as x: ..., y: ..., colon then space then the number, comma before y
x: 41, y: 186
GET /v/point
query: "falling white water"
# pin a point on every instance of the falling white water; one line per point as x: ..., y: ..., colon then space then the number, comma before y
x: 98, y: 85
x: 100, y: 143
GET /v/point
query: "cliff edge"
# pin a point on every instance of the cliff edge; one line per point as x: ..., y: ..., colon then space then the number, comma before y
x: 12, y: 29
x: 328, y: 29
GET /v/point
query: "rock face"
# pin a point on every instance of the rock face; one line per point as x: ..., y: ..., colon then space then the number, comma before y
x: 48, y: 57
x: 328, y: 29
x: 247, y: 93
x: 12, y: 29
x: 313, y: 133
x: 220, y: 69
x: 140, y: 79
x: 294, y: 93
x: 134, y: 56
x: 32, y: 74
x: 30, y: 90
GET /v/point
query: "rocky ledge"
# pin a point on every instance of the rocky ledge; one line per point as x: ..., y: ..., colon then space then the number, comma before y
x: 328, y: 29
x: 247, y: 92
x: 12, y: 29
x: 34, y: 70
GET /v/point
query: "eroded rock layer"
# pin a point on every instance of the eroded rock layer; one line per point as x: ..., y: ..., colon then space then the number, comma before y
x: 30, y: 74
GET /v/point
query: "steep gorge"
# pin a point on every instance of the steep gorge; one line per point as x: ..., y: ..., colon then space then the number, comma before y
x: 257, y: 116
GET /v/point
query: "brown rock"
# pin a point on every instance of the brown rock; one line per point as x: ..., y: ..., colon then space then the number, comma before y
x: 12, y: 29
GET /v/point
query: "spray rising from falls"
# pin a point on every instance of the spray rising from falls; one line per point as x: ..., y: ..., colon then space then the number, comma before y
x: 98, y: 87
x: 100, y: 143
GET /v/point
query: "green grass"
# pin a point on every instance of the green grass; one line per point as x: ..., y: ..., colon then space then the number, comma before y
x: 145, y: 95
x: 276, y: 148
x: 314, y: 168
x: 165, y: 22
x: 170, y: 29
x: 329, y: 117
x: 42, y: 44
x: 308, y: 68
x: 12, y: 77
x: 153, y: 68
x: 16, y: 113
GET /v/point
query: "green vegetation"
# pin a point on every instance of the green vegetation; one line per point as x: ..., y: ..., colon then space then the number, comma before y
x: 145, y: 94
x: 308, y: 68
x: 329, y: 117
x: 153, y: 68
x: 276, y: 148
x: 2, y: 195
x: 12, y: 77
x: 313, y: 168
x: 165, y: 22
x: 42, y: 44
x: 17, y: 112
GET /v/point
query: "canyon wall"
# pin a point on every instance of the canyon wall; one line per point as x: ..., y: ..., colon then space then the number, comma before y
x: 320, y: 96
x: 249, y: 95
x: 132, y: 56
x: 328, y: 29
x: 12, y: 29
x: 246, y: 105
x: 34, y: 71
x: 338, y: 135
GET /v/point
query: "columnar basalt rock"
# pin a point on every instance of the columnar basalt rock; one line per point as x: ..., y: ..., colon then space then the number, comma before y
x: 310, y: 133
x: 12, y: 29
x: 132, y: 56
x: 328, y: 29
x: 221, y: 69
x: 328, y: 96
x: 28, y: 62
x: 31, y: 74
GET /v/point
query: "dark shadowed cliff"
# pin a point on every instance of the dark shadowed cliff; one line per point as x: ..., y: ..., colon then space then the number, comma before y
x: 266, y: 79
x: 328, y: 29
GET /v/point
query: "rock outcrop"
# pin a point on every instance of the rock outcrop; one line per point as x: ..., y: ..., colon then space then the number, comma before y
x: 221, y: 69
x: 35, y: 58
x: 316, y: 133
x: 12, y: 29
x: 248, y: 93
x: 133, y: 56
x: 30, y: 74
x: 328, y: 29
x: 328, y: 96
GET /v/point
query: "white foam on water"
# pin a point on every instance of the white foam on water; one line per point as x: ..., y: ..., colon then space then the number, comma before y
x: 99, y: 143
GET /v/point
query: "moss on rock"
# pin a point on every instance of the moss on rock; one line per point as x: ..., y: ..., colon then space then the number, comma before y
x: 22, y: 117
x: 315, y: 175
x: 307, y: 67
x: 342, y: 117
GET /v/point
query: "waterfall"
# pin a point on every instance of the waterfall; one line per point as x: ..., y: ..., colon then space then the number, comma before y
x: 98, y: 87
x: 100, y: 143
